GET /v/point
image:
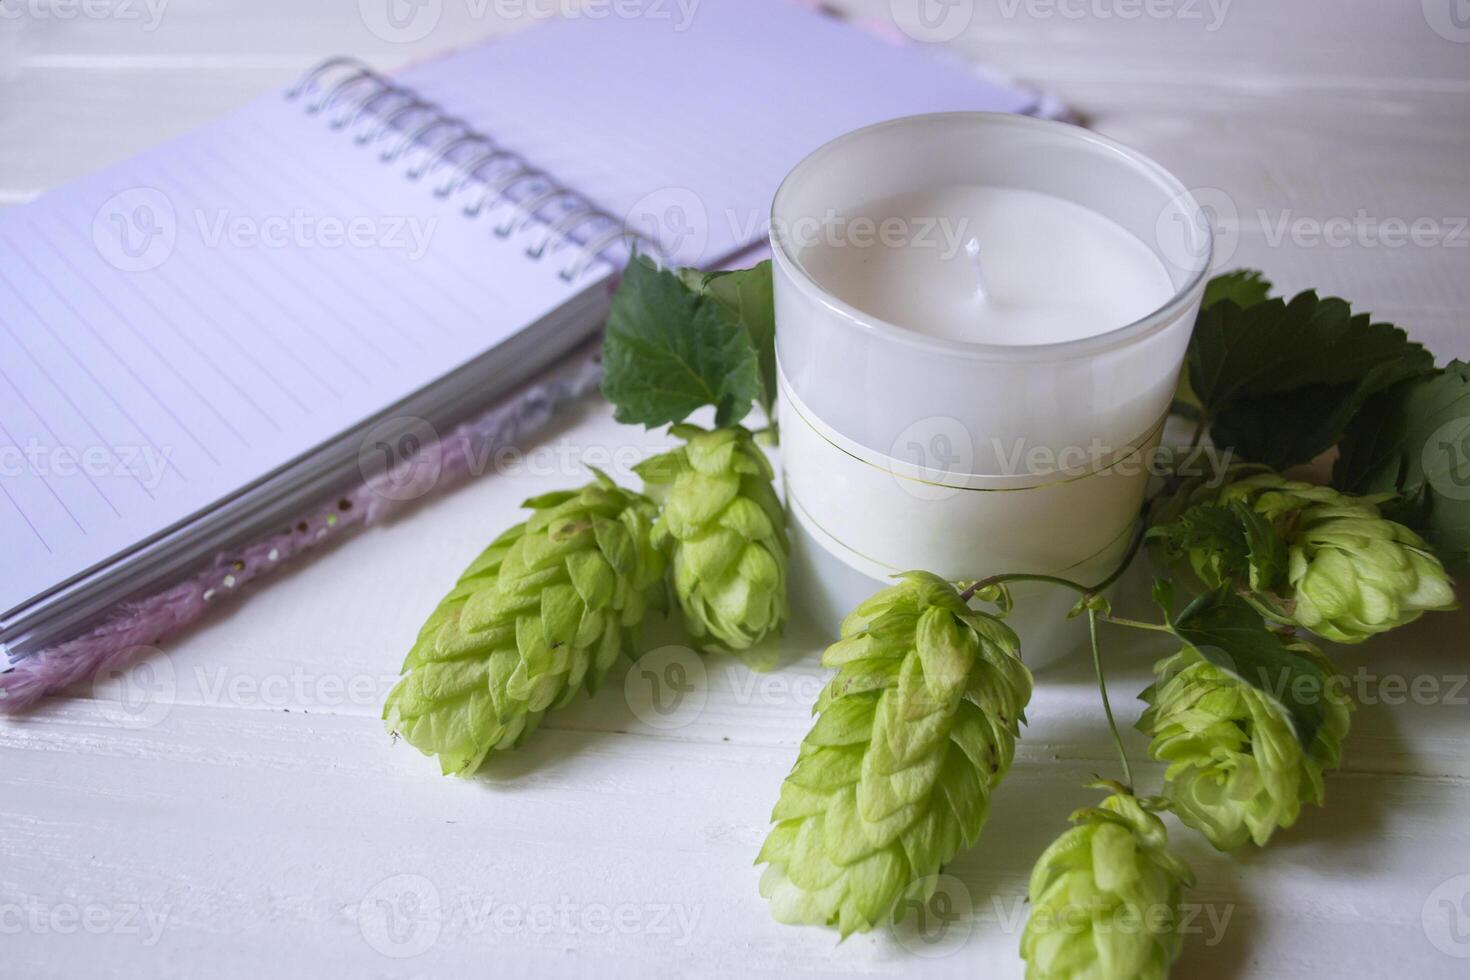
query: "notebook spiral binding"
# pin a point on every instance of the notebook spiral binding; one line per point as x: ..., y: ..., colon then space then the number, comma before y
x: 376, y: 109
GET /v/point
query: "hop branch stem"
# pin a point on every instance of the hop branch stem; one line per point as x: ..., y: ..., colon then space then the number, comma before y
x: 1087, y: 591
x: 1089, y: 596
x: 1102, y: 690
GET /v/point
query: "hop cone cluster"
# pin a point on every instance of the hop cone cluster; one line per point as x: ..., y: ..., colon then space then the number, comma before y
x: 1237, y: 769
x: 725, y: 533
x: 1352, y: 572
x: 914, y: 732
x: 543, y: 612
x: 1348, y: 573
x: 1105, y: 897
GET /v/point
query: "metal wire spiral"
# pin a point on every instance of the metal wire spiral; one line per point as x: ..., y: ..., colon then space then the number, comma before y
x: 373, y: 107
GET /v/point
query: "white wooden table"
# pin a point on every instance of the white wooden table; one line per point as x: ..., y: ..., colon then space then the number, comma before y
x: 258, y: 821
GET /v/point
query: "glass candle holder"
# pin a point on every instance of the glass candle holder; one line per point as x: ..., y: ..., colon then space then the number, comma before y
x: 992, y: 405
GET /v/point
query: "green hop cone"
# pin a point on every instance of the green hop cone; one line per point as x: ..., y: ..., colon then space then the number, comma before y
x: 725, y: 533
x: 1237, y: 768
x: 1340, y: 569
x: 543, y: 612
x: 913, y: 734
x: 1352, y: 573
x: 1105, y: 897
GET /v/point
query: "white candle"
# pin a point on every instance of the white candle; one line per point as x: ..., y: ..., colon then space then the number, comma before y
x: 993, y: 265
x: 981, y: 402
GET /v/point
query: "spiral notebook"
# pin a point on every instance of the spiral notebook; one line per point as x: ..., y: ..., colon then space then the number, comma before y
x: 199, y: 341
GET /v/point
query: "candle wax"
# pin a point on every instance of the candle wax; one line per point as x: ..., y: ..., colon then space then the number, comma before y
x: 992, y: 265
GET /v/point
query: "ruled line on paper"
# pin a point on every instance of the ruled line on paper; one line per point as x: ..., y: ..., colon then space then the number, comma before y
x: 479, y: 284
x: 117, y: 276
x: 45, y: 482
x: 25, y: 517
x: 174, y: 289
x: 61, y: 342
x: 246, y: 274
x: 249, y: 277
x: 61, y: 389
x: 240, y: 307
x: 55, y: 439
x: 97, y: 335
x: 228, y: 336
x: 354, y: 290
x: 266, y: 262
x: 201, y: 353
x: 353, y: 330
x: 247, y: 150
x: 391, y: 268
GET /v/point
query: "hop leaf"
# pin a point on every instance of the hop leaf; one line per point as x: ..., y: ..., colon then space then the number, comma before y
x: 1243, y: 287
x: 1240, y: 761
x: 913, y: 735
x: 1105, y: 897
x: 544, y: 611
x: 1414, y: 442
x: 725, y: 532
x: 745, y: 296
x: 1278, y: 381
x: 1310, y: 556
x: 671, y: 350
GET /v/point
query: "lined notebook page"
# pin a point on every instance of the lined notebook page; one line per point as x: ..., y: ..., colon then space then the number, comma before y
x: 182, y: 325
x: 688, y: 128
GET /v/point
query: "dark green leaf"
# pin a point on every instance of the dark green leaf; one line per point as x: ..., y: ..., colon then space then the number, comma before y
x: 670, y: 351
x: 1295, y: 427
x: 1267, y: 554
x: 1282, y: 380
x: 1209, y: 527
x: 1414, y: 441
x: 1230, y: 634
x: 1246, y: 548
x: 745, y: 295
x: 1244, y: 287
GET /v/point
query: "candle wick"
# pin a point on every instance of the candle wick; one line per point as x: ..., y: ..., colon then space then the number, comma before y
x: 972, y: 249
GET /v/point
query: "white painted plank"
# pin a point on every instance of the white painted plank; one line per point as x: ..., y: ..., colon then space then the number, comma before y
x: 1365, y: 45
x: 176, y: 817
x: 215, y: 34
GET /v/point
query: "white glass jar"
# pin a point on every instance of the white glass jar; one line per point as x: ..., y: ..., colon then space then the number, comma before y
x: 908, y: 447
